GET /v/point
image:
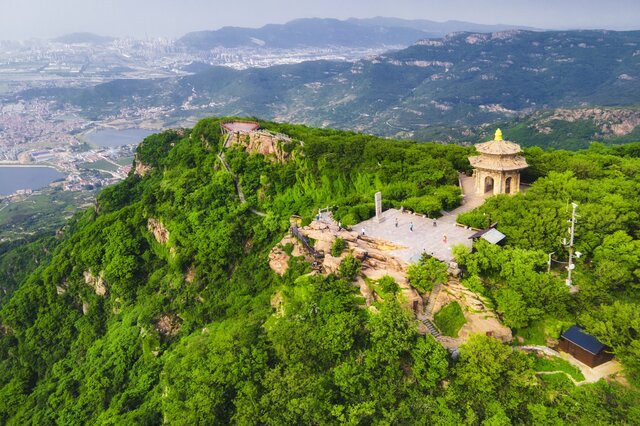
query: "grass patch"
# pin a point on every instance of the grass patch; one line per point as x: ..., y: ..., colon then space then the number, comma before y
x: 450, y: 319
x: 532, y: 335
x: 544, y: 363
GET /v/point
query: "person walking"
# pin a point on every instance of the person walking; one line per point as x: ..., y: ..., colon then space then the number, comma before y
x: 435, y: 222
x: 362, y: 232
x: 339, y: 226
x: 410, y: 226
x: 396, y: 222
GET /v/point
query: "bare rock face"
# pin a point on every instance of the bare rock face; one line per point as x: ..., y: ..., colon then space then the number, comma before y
x: 142, y: 169
x: 159, y: 230
x: 267, y: 144
x: 279, y: 260
x: 97, y: 283
x: 190, y: 276
x: 168, y: 325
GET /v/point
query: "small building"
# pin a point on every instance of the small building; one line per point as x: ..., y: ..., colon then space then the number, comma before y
x: 497, y: 168
x: 491, y: 234
x: 584, y: 347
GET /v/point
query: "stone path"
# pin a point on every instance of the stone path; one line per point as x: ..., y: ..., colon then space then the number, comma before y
x: 236, y: 181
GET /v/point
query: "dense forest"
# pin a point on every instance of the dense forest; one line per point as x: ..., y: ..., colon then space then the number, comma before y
x: 108, y: 323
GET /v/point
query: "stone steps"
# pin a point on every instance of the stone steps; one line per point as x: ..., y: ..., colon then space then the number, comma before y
x: 432, y: 328
x: 428, y: 310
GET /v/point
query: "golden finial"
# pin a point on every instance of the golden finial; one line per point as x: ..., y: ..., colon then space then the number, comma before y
x: 498, y: 136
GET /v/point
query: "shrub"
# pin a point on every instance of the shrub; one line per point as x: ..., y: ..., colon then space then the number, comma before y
x: 349, y: 268
x: 388, y: 284
x: 338, y: 247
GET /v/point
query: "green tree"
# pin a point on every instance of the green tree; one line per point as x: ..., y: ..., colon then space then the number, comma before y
x: 427, y: 273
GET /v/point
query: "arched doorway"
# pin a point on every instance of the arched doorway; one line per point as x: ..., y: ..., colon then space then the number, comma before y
x: 507, y: 186
x: 488, y: 184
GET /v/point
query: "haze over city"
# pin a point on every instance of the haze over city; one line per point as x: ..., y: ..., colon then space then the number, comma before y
x: 24, y: 19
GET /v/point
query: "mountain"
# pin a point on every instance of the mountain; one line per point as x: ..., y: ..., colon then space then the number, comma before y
x: 83, y: 38
x: 303, y: 33
x: 437, y: 28
x: 463, y: 79
x: 162, y: 303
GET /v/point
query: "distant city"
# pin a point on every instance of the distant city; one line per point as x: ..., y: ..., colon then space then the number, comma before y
x: 43, y: 132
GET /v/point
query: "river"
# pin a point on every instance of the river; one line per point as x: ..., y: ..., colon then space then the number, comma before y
x: 31, y: 177
x: 110, y: 138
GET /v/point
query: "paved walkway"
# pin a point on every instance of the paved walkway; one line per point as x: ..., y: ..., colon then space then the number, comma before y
x: 425, y: 237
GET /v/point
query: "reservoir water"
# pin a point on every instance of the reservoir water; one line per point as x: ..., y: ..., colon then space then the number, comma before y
x: 109, y: 138
x: 14, y: 178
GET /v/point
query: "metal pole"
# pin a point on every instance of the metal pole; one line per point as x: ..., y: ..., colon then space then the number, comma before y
x: 572, y: 231
x: 549, y: 262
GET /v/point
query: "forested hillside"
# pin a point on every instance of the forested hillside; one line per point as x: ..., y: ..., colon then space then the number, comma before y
x: 158, y: 305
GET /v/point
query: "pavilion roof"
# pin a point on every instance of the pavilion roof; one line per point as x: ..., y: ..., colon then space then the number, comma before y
x: 498, y: 147
x: 499, y: 163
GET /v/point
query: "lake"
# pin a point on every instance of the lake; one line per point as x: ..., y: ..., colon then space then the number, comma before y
x: 109, y: 138
x: 14, y: 178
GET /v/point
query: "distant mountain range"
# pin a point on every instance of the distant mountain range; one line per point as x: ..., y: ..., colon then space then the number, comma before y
x: 332, y: 32
x: 464, y: 79
x: 304, y: 33
x: 438, y: 29
x: 82, y: 38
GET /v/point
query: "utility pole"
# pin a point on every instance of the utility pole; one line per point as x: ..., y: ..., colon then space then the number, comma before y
x: 549, y: 262
x: 571, y: 265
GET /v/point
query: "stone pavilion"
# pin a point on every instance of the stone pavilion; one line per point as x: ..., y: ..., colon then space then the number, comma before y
x: 497, y: 169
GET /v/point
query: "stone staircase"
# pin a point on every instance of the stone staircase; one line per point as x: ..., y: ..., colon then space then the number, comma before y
x: 428, y: 310
x: 432, y: 328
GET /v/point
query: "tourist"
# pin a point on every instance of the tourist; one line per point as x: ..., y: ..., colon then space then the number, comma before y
x: 339, y: 226
x: 445, y: 239
x: 362, y: 232
x: 435, y: 222
x: 410, y: 226
x: 396, y: 222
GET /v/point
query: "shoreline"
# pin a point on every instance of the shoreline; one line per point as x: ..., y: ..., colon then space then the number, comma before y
x: 25, y: 166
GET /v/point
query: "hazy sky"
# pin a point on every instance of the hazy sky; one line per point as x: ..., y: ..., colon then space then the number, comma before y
x: 21, y: 19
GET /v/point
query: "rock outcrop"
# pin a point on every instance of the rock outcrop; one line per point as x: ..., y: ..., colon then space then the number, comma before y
x: 272, y: 146
x: 168, y: 325
x: 97, y: 283
x: 612, y: 121
x: 159, y: 231
x: 141, y: 169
